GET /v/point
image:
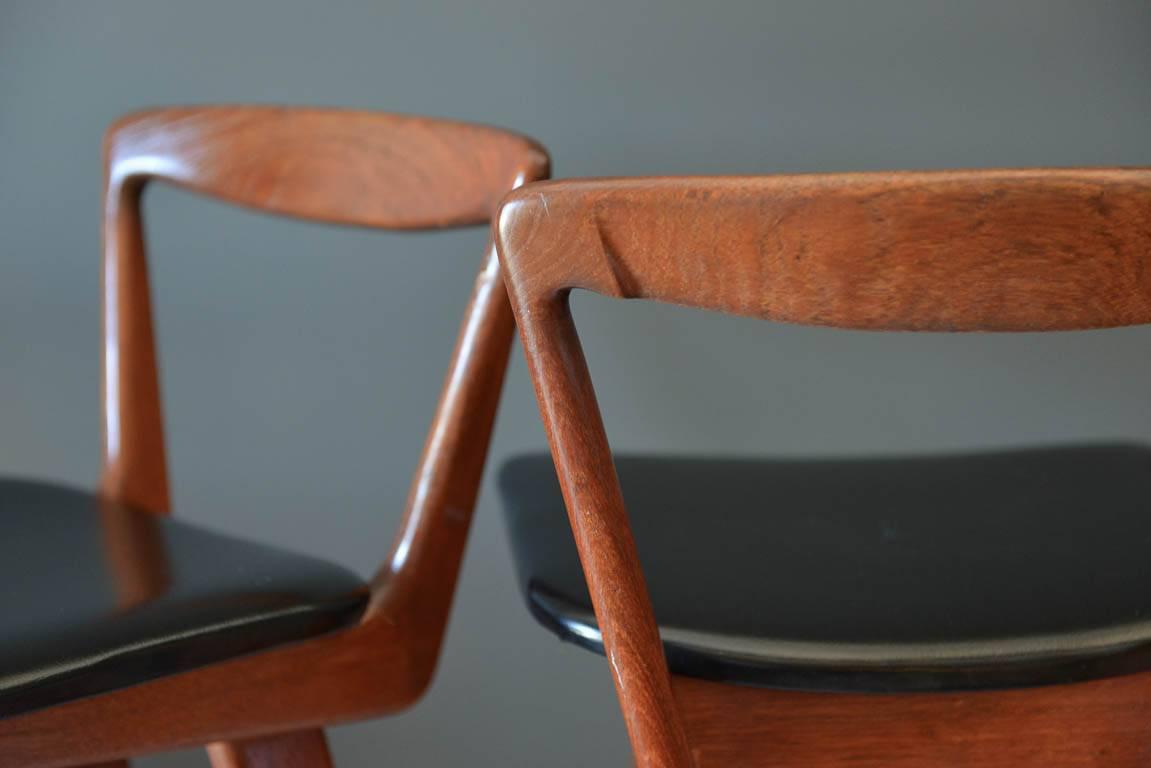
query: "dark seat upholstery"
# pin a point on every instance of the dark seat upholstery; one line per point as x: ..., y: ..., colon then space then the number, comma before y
x: 986, y: 570
x: 97, y: 597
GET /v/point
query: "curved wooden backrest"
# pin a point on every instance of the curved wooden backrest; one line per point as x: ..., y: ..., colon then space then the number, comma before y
x: 990, y: 250
x: 963, y: 250
x: 360, y: 168
x: 342, y: 166
x: 348, y: 167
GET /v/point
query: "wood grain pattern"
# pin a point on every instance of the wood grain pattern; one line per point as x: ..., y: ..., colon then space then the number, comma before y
x: 974, y: 250
x: 1101, y: 723
x: 356, y: 168
x: 979, y: 250
x: 367, y: 169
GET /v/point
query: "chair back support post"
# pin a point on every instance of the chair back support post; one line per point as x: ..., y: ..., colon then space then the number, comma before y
x: 414, y: 581
x: 593, y: 498
x: 134, y: 463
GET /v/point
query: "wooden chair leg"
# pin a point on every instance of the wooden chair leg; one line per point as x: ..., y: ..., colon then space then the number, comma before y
x: 299, y: 749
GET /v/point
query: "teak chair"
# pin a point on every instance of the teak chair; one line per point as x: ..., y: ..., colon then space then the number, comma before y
x: 1000, y: 603
x: 127, y: 632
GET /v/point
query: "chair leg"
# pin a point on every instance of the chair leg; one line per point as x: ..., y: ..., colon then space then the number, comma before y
x: 299, y: 749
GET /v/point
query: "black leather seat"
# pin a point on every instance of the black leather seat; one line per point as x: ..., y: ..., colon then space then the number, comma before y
x: 989, y: 570
x: 98, y: 597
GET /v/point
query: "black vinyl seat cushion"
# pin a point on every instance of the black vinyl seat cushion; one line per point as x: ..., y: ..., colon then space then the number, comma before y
x: 97, y: 597
x: 951, y: 572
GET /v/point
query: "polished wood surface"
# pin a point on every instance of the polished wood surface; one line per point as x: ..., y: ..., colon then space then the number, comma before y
x: 361, y: 168
x: 367, y: 169
x: 988, y: 250
x: 957, y: 250
x: 349, y: 167
x: 1100, y: 723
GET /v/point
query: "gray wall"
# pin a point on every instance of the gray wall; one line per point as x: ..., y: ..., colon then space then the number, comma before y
x: 301, y: 363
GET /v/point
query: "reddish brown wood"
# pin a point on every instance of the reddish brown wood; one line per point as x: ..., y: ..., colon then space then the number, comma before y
x: 955, y: 250
x: 1104, y: 723
x: 368, y: 169
x: 362, y: 168
x: 301, y: 749
x: 349, y: 167
x: 983, y: 250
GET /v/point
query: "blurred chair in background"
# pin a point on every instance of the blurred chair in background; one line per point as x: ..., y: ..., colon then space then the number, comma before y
x: 126, y: 632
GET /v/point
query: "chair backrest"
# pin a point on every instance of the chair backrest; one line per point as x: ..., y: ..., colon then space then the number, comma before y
x: 363, y: 168
x: 341, y: 166
x: 961, y: 251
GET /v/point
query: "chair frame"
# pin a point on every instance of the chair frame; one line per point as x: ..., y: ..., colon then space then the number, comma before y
x: 998, y: 250
x: 341, y: 166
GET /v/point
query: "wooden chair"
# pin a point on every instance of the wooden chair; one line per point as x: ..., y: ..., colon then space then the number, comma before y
x: 129, y: 632
x: 980, y: 609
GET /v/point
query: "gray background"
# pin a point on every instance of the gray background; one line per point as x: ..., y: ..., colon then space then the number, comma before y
x: 301, y: 362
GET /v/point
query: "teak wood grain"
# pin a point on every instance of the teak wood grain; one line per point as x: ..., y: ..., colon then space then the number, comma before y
x: 1027, y: 250
x: 360, y: 168
x: 945, y: 251
x: 1100, y: 723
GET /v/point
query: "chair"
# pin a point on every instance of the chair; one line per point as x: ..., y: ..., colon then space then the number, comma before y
x: 988, y: 609
x: 131, y: 632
